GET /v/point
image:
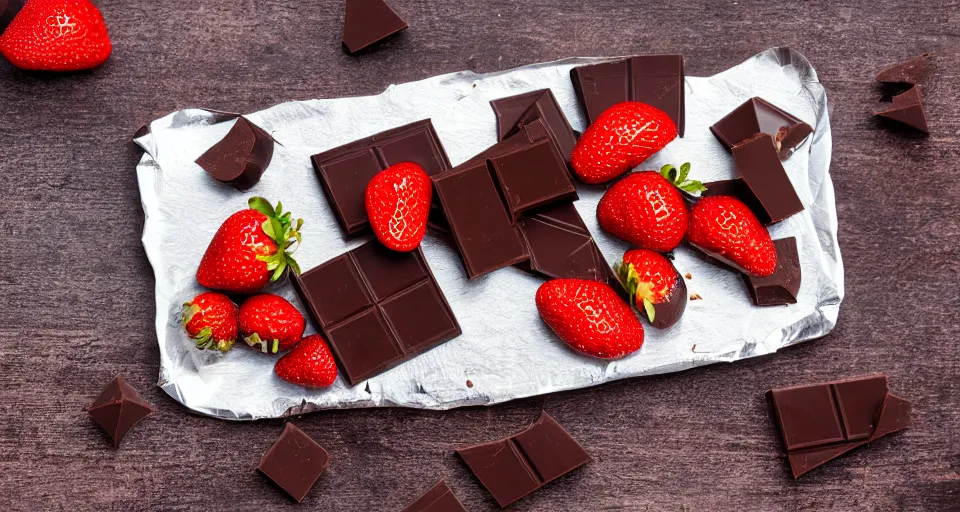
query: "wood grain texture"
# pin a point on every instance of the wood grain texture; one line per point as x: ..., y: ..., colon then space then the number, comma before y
x: 77, y: 289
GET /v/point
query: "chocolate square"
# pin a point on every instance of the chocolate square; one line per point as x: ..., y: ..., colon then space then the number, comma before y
x: 377, y: 308
x: 345, y: 183
x: 532, y: 176
x: 761, y: 169
x: 860, y: 402
x: 419, y: 147
x: 514, y: 112
x: 438, y: 499
x: 561, y: 246
x: 294, y: 462
x: 807, y: 416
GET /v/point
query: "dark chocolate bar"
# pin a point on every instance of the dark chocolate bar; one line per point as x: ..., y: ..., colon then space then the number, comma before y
x: 656, y: 80
x: 783, y: 285
x: 377, y: 308
x: 758, y: 116
x: 913, y: 71
x: 516, y: 111
x: 438, y: 499
x: 514, y: 467
x: 345, y: 171
x: 367, y: 22
x: 118, y: 408
x: 241, y: 157
x: 529, y: 173
x: 763, y: 173
x: 294, y: 462
x: 907, y: 109
x: 820, y: 422
x: 8, y: 11
x: 560, y: 245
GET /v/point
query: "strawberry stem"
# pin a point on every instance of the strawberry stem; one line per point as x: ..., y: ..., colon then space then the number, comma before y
x: 678, y: 177
x: 284, y: 231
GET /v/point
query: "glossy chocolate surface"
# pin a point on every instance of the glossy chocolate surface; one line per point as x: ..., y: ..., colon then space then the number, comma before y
x: 514, y: 112
x: 907, y: 110
x: 783, y: 285
x: 241, y: 157
x: 913, y: 71
x: 755, y: 116
x: 118, y: 408
x: 761, y: 170
x: 294, y: 462
x: 367, y: 22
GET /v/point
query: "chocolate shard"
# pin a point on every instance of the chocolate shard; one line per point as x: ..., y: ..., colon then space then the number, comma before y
x: 377, y: 308
x: 294, y: 462
x: 781, y: 287
x: 907, y: 109
x: 345, y: 171
x: 820, y: 422
x: 561, y: 246
x: 8, y: 11
x: 656, y: 80
x: 760, y: 167
x: 118, y: 408
x: 756, y: 115
x: 913, y: 71
x: 515, y: 112
x: 514, y: 467
x: 367, y: 22
x: 241, y: 157
x: 438, y: 499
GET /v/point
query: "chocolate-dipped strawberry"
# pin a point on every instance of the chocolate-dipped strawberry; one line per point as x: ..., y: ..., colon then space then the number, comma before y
x: 654, y: 285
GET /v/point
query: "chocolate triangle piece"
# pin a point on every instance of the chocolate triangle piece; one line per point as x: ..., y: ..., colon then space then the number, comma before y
x: 438, y: 499
x: 804, y: 461
x: 894, y: 417
x: 907, y: 109
x: 912, y: 71
x: 783, y: 285
x: 367, y: 22
x: 759, y: 116
x: 118, y: 408
x: 508, y: 110
x: 241, y: 157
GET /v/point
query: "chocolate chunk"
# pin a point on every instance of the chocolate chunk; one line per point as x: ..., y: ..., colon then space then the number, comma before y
x: 738, y: 189
x: 514, y: 467
x: 656, y: 80
x: 438, y: 499
x: 820, y: 422
x: 294, y: 462
x: 907, y: 109
x: 668, y: 313
x: 345, y: 171
x: 240, y: 158
x: 783, y: 285
x: 118, y: 408
x: 560, y: 245
x: 516, y: 111
x: 377, y: 308
x: 8, y: 11
x: 367, y: 22
x: 529, y: 173
x: 758, y: 116
x: 763, y: 173
x: 913, y: 71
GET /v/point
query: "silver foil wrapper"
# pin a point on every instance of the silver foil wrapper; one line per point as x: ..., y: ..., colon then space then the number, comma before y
x: 505, y: 351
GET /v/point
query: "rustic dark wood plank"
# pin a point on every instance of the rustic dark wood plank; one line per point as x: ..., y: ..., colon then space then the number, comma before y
x: 78, y: 292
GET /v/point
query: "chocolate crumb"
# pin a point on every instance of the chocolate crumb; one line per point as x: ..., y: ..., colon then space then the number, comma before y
x: 688, y: 276
x: 693, y: 348
x: 469, y: 383
x: 696, y: 296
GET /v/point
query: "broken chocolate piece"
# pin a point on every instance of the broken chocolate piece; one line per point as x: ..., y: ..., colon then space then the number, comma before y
x: 907, y: 109
x: 118, y: 408
x: 438, y: 499
x: 783, y: 285
x: 367, y: 22
x: 240, y: 158
x: 294, y: 462
x: 377, y: 308
x: 913, y: 71
x: 656, y: 80
x: 8, y: 11
x: 514, y: 467
x: 760, y: 167
x: 820, y: 422
x: 516, y: 111
x: 759, y: 116
x: 560, y: 246
x: 345, y: 171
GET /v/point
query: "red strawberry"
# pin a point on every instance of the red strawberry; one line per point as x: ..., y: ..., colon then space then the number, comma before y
x: 647, y: 209
x: 211, y: 321
x: 726, y: 229
x: 651, y: 280
x: 621, y: 138
x: 309, y: 364
x: 250, y: 249
x: 56, y: 35
x: 270, y: 323
x: 398, y: 203
x: 590, y: 317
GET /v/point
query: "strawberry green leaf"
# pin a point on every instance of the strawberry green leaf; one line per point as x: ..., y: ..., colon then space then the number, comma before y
x: 279, y: 208
x: 262, y: 205
x: 278, y: 272
x: 268, y: 229
x: 629, y: 278
x: 692, y: 186
x: 684, y: 172
x: 189, y: 310
x: 292, y: 263
x: 651, y: 311
x: 275, y: 346
x: 273, y: 264
x: 669, y: 172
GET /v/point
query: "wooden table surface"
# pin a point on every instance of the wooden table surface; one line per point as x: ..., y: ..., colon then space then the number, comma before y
x: 78, y: 303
